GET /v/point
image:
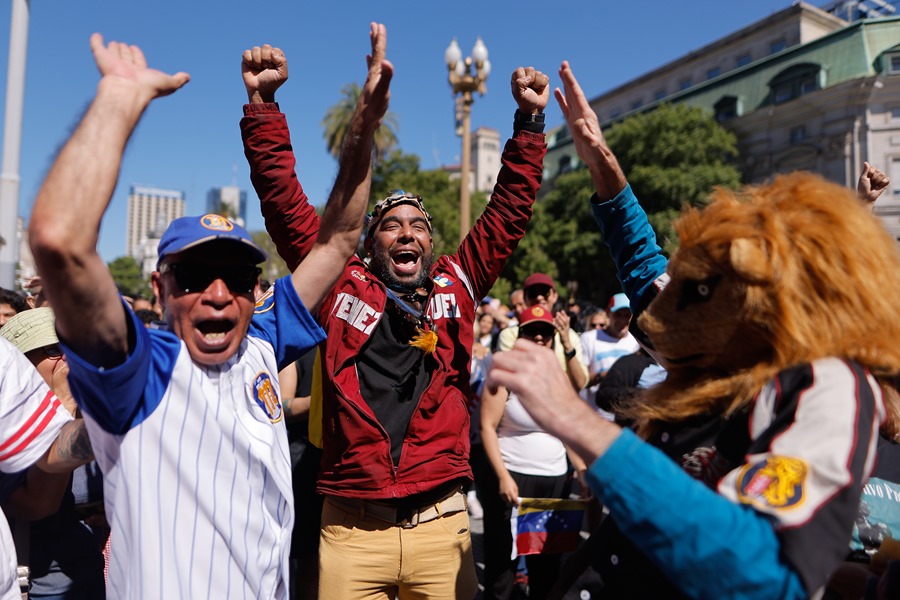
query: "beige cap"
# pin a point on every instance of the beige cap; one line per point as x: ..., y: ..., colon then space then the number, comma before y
x: 31, y: 329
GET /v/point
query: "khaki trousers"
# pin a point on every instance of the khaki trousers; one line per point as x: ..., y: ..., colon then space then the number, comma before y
x: 363, y: 558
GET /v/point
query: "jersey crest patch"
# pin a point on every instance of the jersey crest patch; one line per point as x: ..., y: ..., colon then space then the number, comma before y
x: 265, y: 395
x: 266, y: 302
x: 357, y: 275
x: 777, y: 482
x: 443, y: 280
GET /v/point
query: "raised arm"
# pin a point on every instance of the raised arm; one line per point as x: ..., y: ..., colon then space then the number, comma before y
x: 584, y: 126
x: 342, y: 222
x: 264, y: 69
x: 872, y: 182
x: 497, y: 232
x: 290, y: 218
x: 65, y: 220
x: 623, y: 223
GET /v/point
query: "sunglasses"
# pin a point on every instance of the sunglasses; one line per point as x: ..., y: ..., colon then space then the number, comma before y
x: 192, y: 278
x: 51, y: 351
x: 533, y: 331
x: 537, y: 290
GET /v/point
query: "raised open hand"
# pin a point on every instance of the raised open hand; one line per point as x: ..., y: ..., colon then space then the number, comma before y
x: 588, y: 137
x: 376, y: 94
x: 562, y: 322
x: 264, y: 69
x: 530, y: 89
x: 127, y: 63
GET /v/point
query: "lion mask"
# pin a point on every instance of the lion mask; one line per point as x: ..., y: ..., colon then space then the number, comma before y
x: 764, y: 279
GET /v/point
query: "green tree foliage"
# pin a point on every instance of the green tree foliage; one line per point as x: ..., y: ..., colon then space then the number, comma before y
x: 563, y: 241
x: 274, y: 267
x: 126, y: 272
x: 337, y: 122
x: 674, y: 156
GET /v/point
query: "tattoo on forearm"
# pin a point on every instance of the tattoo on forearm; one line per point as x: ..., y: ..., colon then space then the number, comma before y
x: 288, y: 406
x: 73, y: 442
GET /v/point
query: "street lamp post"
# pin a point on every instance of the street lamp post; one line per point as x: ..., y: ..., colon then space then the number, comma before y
x: 464, y: 84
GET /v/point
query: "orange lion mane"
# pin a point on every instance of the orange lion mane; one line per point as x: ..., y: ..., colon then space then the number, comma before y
x: 802, y: 272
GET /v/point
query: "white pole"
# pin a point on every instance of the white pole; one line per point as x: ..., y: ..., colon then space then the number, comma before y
x: 12, y: 141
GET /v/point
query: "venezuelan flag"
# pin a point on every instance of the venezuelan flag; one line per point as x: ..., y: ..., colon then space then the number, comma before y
x: 548, y: 525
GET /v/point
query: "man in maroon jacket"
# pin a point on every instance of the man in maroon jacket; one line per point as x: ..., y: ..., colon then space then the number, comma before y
x: 396, y: 361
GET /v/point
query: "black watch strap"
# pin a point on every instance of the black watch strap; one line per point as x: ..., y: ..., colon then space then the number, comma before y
x: 523, y: 121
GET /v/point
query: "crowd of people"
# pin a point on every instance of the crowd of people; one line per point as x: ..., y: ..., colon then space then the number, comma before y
x: 331, y: 435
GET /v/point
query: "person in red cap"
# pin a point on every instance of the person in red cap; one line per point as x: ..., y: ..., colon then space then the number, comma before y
x: 395, y: 364
x: 526, y: 462
x: 539, y: 290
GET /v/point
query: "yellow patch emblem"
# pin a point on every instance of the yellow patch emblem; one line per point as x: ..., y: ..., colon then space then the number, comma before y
x: 266, y: 397
x: 778, y: 482
x: 216, y: 223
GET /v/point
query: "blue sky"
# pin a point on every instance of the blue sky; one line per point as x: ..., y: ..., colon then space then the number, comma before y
x: 191, y: 141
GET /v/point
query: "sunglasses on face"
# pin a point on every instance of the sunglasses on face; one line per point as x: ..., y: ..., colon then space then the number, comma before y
x: 191, y: 278
x: 51, y: 351
x: 532, y: 332
x: 537, y: 290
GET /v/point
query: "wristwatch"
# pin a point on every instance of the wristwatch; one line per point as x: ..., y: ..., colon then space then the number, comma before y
x: 528, y: 122
x: 570, y: 354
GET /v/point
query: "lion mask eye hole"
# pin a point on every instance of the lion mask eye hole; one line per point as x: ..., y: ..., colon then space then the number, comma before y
x: 697, y: 292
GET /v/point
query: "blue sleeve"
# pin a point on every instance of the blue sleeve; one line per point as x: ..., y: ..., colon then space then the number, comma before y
x: 282, y: 320
x: 632, y: 244
x: 123, y: 396
x: 709, y: 546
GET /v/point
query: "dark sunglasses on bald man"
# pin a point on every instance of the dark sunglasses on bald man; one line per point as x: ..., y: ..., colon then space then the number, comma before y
x: 191, y: 278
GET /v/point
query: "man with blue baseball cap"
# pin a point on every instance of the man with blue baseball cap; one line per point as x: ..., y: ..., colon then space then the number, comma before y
x: 187, y: 423
x: 601, y: 348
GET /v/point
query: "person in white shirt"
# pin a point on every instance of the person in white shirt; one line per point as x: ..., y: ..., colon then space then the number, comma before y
x: 601, y: 348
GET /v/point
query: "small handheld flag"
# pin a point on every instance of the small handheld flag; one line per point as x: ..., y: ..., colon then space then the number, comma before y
x: 546, y: 526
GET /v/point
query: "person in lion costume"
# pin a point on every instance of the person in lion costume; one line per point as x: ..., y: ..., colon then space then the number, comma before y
x: 775, y: 322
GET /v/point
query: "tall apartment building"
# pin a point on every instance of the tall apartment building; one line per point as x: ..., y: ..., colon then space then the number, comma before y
x: 229, y: 201
x: 150, y: 210
x: 801, y: 89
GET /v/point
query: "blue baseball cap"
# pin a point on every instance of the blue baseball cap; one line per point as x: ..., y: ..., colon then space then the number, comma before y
x: 189, y: 232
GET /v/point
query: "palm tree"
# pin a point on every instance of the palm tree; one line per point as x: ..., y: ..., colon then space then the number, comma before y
x: 337, y: 121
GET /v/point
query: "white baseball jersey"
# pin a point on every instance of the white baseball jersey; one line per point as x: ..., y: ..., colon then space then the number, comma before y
x: 600, y: 351
x: 197, y: 478
x: 30, y: 419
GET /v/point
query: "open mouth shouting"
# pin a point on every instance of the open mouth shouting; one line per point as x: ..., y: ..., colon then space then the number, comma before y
x: 214, y: 335
x: 406, y: 262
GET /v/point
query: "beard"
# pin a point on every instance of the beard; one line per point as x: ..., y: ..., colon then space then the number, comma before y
x: 380, y: 266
